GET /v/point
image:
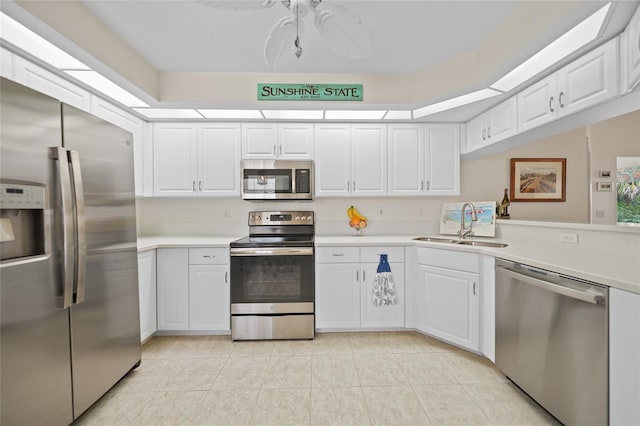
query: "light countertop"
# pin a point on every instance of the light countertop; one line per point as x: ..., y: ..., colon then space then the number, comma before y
x: 563, y: 259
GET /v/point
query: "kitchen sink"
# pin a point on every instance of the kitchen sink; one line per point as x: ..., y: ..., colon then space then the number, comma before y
x: 436, y: 240
x: 480, y: 243
x: 461, y: 242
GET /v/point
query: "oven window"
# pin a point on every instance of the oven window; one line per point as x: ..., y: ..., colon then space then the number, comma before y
x: 267, y: 181
x: 272, y: 279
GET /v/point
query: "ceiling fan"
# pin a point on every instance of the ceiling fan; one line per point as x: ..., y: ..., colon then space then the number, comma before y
x: 342, y: 30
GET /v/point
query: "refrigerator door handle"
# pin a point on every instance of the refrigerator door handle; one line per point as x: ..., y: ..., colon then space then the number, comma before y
x: 60, y: 155
x: 81, y: 233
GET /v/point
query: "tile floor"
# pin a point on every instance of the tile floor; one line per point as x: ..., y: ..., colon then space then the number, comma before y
x: 386, y: 378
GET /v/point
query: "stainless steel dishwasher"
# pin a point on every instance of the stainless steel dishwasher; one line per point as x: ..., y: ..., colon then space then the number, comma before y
x: 552, y: 341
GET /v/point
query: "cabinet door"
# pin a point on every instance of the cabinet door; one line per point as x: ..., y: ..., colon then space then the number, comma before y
x: 443, y: 159
x: 173, y: 288
x: 338, y: 295
x: 219, y: 159
x: 174, y: 159
x: 259, y: 140
x: 476, y: 133
x: 295, y: 141
x: 450, y: 307
x: 589, y: 80
x: 111, y: 113
x: 209, y: 298
x: 631, y: 51
x: 332, y: 160
x: 382, y: 316
x: 538, y: 104
x: 38, y: 78
x: 502, y: 121
x: 147, y: 291
x: 406, y: 159
x: 369, y: 159
x: 6, y: 63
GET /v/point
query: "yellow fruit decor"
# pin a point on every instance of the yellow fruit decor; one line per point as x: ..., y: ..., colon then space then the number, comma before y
x: 356, y: 220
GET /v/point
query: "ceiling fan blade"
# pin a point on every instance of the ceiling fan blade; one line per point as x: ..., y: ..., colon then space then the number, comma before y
x: 279, y: 47
x: 344, y: 31
x: 236, y: 4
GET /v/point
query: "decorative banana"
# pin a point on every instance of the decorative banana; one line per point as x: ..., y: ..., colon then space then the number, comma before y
x: 353, y: 212
x: 356, y: 220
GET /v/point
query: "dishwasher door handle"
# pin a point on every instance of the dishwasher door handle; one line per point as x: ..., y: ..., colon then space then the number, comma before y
x: 595, y: 299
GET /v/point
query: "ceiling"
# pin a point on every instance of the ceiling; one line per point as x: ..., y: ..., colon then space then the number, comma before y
x: 475, y: 42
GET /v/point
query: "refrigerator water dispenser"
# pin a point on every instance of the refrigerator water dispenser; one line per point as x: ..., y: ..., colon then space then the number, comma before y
x: 22, y: 212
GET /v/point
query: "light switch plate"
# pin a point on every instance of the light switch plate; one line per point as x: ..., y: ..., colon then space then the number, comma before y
x: 569, y: 238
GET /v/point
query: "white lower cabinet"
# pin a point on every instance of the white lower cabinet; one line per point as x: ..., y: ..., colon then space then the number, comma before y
x: 448, y: 296
x: 193, y: 289
x: 147, y: 293
x: 624, y: 358
x: 344, y: 288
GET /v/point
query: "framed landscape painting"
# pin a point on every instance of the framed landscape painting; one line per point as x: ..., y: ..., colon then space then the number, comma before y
x: 538, y: 179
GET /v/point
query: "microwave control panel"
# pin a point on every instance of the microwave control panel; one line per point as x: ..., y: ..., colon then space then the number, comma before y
x: 303, y: 181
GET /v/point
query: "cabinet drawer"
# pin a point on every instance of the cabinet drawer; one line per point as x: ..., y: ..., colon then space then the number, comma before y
x: 460, y: 261
x: 372, y: 254
x: 337, y: 254
x: 208, y: 256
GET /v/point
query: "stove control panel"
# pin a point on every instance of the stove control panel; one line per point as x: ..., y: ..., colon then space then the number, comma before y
x: 281, y: 218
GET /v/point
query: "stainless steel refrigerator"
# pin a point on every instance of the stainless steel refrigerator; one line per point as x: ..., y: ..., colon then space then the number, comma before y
x: 68, y: 264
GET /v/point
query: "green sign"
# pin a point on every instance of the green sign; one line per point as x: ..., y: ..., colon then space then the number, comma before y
x: 309, y: 92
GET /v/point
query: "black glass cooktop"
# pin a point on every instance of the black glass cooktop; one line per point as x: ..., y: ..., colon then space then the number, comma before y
x: 274, y: 241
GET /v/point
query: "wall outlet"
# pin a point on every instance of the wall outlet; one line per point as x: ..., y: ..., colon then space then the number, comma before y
x: 227, y: 214
x: 569, y: 238
x: 599, y: 213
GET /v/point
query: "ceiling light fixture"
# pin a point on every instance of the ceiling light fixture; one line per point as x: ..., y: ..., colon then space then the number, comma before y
x: 168, y: 113
x: 343, y: 31
x: 109, y: 88
x: 353, y: 115
x: 455, y: 102
x: 562, y: 47
x: 278, y: 114
x: 232, y: 114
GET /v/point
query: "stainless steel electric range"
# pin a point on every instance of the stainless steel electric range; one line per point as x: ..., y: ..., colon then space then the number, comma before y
x: 272, y: 277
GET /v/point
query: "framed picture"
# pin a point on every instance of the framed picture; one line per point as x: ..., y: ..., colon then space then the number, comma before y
x: 538, y: 179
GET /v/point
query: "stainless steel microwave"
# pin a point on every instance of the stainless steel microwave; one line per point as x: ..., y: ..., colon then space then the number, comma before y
x: 277, y: 180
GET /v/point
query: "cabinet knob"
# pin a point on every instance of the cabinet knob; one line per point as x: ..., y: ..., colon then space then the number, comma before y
x: 560, y: 99
x: 550, y: 106
x: 484, y: 134
x: 357, y: 275
x: 489, y: 132
x: 194, y: 185
x: 200, y: 186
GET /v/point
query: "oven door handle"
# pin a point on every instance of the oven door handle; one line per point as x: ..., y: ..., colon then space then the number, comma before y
x: 275, y: 251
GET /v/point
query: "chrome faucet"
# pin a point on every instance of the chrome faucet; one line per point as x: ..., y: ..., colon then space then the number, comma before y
x: 474, y: 218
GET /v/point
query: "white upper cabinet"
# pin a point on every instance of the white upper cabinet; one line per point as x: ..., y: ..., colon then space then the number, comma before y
x: 6, y: 63
x: 424, y: 159
x: 369, y: 159
x: 442, y: 172
x: 295, y: 141
x: 196, y: 159
x: 38, y: 78
x: 292, y: 141
x: 259, y: 140
x: 630, y: 53
x: 587, y: 81
x: 499, y: 123
x: 219, y: 159
x: 174, y: 159
x: 332, y: 159
x: 406, y: 159
x: 350, y: 159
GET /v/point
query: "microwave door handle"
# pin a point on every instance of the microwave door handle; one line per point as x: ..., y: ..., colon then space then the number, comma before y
x: 81, y: 232
x: 64, y: 179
